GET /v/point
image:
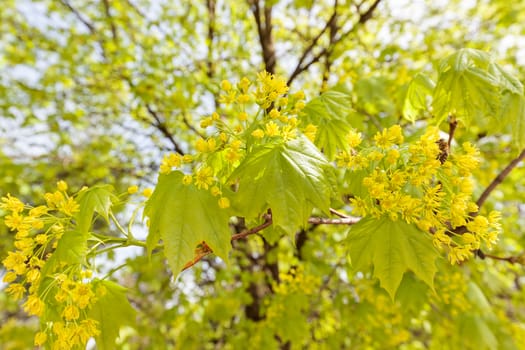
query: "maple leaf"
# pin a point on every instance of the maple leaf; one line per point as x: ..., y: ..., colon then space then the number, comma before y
x: 290, y: 178
x: 330, y: 112
x: 184, y: 216
x: 112, y: 311
x: 393, y: 248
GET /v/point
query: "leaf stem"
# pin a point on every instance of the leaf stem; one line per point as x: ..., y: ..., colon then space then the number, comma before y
x: 119, y: 226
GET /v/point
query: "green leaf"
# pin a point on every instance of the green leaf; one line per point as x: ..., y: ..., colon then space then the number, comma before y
x: 507, y: 81
x: 393, y: 247
x: 419, y: 89
x: 412, y: 294
x: 71, y: 249
x: 373, y: 96
x: 184, y: 216
x: 330, y: 112
x: 95, y: 199
x: 476, y: 333
x: 290, y: 178
x: 513, y: 115
x: 112, y: 311
x: 465, y: 88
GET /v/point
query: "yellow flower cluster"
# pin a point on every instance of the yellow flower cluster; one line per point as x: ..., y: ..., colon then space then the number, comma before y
x: 386, y: 317
x: 297, y: 281
x: 72, y: 299
x: 452, y: 292
x: 234, y: 133
x: 37, y: 232
x: 269, y: 89
x: 421, y: 184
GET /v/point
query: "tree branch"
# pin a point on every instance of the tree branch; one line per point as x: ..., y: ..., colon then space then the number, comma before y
x: 163, y: 129
x: 191, y: 127
x: 114, y: 33
x: 299, y: 68
x: 328, y: 221
x: 205, y: 250
x: 77, y: 14
x: 520, y: 259
x: 499, y: 179
x: 453, y: 123
x: 364, y: 17
x: 265, y: 34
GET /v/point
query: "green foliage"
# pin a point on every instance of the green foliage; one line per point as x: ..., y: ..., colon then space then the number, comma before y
x: 334, y: 212
x: 393, y: 248
x: 184, y: 216
x: 112, y: 310
x: 466, y: 89
x: 474, y: 90
x: 96, y: 199
x: 418, y: 92
x: 330, y: 112
x: 71, y: 250
x: 290, y: 178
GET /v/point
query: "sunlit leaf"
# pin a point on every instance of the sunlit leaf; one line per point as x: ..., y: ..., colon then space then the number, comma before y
x: 112, y: 310
x: 95, y: 199
x: 184, y: 216
x: 418, y: 93
x: 71, y: 250
x: 330, y: 112
x: 290, y: 178
x: 393, y: 248
x: 465, y: 88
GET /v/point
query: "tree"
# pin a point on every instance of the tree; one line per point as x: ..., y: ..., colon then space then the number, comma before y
x: 273, y: 174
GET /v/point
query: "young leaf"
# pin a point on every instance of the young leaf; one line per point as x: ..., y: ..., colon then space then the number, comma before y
x: 513, y: 115
x: 71, y: 249
x: 476, y: 90
x: 418, y: 90
x: 112, y: 311
x: 330, y: 113
x: 393, y: 247
x: 506, y: 81
x: 290, y: 178
x: 465, y: 87
x: 95, y: 199
x: 184, y: 216
x: 476, y: 332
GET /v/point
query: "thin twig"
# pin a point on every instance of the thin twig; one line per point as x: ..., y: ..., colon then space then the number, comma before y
x: 499, y: 179
x: 299, y: 68
x: 114, y: 33
x: 327, y: 221
x: 452, y: 128
x: 77, y: 14
x: 191, y: 127
x: 205, y: 250
x: 509, y: 259
x: 368, y: 14
x: 338, y: 213
x: 164, y: 130
x: 267, y: 222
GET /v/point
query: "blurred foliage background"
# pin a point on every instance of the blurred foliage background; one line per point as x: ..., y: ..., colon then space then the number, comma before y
x: 97, y: 91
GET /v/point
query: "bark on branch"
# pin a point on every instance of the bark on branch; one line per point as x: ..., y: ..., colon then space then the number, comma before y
x: 204, y: 250
x: 499, y: 179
